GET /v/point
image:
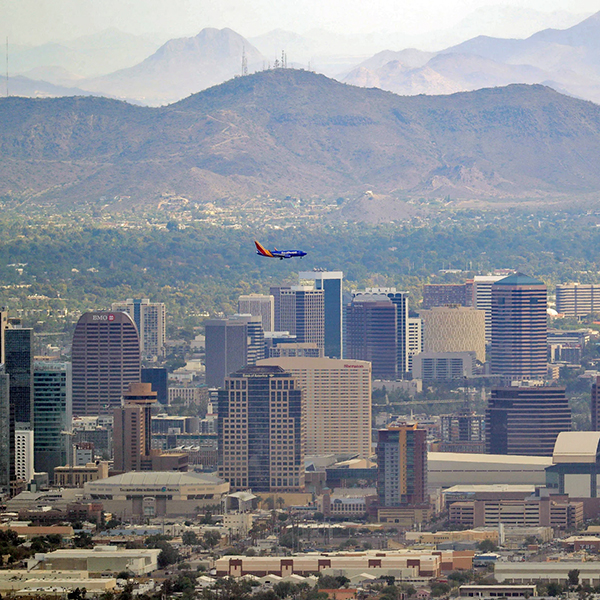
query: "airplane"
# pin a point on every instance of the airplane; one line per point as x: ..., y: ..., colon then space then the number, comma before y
x: 280, y: 254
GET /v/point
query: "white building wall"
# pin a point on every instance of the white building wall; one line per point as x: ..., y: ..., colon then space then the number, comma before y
x: 24, y: 455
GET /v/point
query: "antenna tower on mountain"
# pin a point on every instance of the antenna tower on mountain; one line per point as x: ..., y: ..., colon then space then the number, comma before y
x: 244, y: 62
x: 7, y: 67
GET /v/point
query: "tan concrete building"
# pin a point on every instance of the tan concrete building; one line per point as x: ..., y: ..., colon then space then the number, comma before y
x: 338, y: 403
x: 77, y: 476
x: 52, y: 584
x: 156, y: 494
x: 454, y: 329
x: 258, y: 305
x: 102, y: 559
x: 410, y: 563
x: 132, y: 428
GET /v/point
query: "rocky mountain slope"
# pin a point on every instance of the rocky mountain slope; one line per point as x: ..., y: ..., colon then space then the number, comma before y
x: 288, y: 132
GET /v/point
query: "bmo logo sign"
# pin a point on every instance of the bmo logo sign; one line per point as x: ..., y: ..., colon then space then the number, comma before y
x: 109, y: 317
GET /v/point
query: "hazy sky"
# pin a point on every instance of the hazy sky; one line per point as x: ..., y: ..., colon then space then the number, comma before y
x: 27, y: 21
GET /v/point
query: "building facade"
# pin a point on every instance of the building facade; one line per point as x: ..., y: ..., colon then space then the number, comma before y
x: 158, y: 378
x: 402, y: 462
x: 443, y: 366
x: 577, y: 299
x: 372, y: 334
x: 105, y: 360
x: 519, y: 328
x: 151, y: 322
x: 52, y: 407
x: 482, y: 299
x: 231, y: 344
x: 132, y: 435
x: 259, y: 305
x: 454, y: 329
x: 24, y: 455
x: 526, y: 420
x: 331, y: 282
x: 444, y: 294
x: 337, y: 396
x: 262, y: 430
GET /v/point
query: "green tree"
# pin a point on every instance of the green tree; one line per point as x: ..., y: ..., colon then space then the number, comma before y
x: 189, y: 538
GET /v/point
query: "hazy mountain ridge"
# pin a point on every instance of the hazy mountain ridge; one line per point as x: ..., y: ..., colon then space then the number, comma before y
x: 181, y: 67
x: 287, y: 132
x: 568, y: 60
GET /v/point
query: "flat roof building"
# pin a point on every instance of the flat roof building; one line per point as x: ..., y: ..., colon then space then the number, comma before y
x: 156, y: 493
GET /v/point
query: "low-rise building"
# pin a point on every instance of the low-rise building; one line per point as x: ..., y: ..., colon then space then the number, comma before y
x: 101, y: 559
x: 77, y: 476
x: 550, y: 511
x: 408, y: 564
x: 556, y: 571
x: 153, y: 494
x: 48, y: 584
x: 497, y: 591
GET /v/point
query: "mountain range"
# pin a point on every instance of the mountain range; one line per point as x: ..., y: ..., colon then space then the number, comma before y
x: 567, y: 60
x: 290, y: 132
x: 136, y: 69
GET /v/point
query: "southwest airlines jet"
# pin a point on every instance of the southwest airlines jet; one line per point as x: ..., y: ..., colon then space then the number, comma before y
x: 281, y: 254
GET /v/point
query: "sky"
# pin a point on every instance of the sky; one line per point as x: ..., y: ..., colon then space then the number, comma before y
x: 38, y: 21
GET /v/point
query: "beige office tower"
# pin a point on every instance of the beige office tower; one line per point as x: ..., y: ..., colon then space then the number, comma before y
x: 150, y: 320
x: 482, y: 299
x: 132, y: 436
x: 454, y: 329
x: 415, y: 339
x: 258, y: 305
x: 338, y: 403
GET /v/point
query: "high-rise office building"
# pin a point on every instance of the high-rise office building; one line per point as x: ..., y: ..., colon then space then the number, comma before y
x: 402, y: 466
x: 24, y: 455
x: 231, y: 344
x: 337, y: 395
x: 7, y: 445
x: 444, y: 294
x: 400, y: 301
x: 526, y: 420
x: 595, y: 405
x: 415, y: 339
x: 331, y: 282
x: 454, y: 329
x: 262, y: 430
x: 577, y: 299
x: 372, y: 334
x: 259, y: 305
x: 19, y: 366
x: 3, y: 327
x: 159, y: 379
x: 482, y: 299
x: 105, y: 359
x: 300, y: 310
x: 18, y: 354
x: 519, y: 328
x: 52, y: 405
x: 132, y: 435
x: 463, y: 431
x: 150, y: 320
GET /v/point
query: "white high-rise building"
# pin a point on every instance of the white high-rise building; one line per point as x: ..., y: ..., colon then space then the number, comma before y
x: 415, y: 339
x: 24, y: 454
x: 337, y: 394
x: 259, y: 305
x: 150, y: 319
x: 482, y: 299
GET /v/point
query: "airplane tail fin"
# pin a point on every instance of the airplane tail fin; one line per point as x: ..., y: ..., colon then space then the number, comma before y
x: 261, y: 250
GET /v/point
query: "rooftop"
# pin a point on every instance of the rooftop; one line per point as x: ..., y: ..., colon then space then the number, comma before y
x: 519, y: 279
x: 576, y: 447
x: 166, y: 478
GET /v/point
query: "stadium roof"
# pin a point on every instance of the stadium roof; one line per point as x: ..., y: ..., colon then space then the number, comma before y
x: 576, y: 447
x: 167, y: 478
